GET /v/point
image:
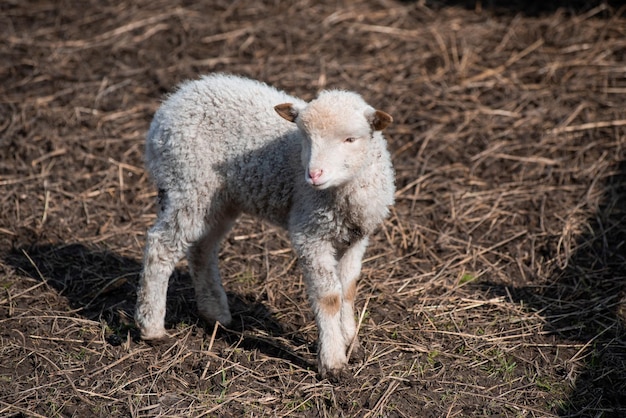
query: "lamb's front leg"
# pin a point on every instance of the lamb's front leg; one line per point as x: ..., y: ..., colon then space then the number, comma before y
x: 349, y: 269
x: 319, y: 266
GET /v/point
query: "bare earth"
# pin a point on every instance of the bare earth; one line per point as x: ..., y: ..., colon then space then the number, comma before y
x: 496, y: 288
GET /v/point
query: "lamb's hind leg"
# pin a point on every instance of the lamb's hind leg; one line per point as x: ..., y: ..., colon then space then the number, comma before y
x: 349, y: 269
x: 165, y: 246
x: 203, y: 263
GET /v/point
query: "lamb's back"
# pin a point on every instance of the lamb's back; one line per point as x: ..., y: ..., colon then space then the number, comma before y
x: 221, y: 132
x: 219, y: 116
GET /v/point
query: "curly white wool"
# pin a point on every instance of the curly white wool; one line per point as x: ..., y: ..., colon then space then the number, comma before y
x: 217, y: 148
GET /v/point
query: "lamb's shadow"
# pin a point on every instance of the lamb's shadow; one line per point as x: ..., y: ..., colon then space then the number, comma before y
x: 586, y: 302
x: 102, y: 285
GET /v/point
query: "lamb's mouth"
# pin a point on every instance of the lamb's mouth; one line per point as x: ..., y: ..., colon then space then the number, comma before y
x: 320, y: 186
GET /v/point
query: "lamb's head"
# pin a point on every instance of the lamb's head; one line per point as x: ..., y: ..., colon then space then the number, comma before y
x: 338, y: 129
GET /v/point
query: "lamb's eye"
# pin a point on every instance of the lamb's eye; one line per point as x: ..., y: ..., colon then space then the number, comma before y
x: 350, y: 139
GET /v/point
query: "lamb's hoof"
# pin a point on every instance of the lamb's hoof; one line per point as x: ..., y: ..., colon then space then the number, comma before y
x: 225, y: 319
x: 336, y: 375
x: 154, y: 336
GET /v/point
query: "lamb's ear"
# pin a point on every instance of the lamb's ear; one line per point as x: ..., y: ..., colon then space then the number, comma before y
x: 379, y: 120
x: 287, y: 111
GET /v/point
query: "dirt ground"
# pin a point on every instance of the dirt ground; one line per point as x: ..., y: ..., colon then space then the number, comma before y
x: 496, y: 288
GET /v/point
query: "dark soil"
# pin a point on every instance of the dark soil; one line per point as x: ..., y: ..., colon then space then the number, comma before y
x: 496, y: 288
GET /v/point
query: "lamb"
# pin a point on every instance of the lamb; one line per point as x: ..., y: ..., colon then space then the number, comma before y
x: 216, y: 149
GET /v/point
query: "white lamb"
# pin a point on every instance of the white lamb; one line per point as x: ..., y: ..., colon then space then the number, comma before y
x: 216, y: 148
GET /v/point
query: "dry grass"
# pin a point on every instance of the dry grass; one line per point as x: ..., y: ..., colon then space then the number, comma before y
x: 496, y: 288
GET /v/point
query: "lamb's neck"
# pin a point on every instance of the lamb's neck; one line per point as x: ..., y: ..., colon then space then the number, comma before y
x: 361, y: 204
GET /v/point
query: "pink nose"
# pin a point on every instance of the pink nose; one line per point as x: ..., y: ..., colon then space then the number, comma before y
x: 315, y: 175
